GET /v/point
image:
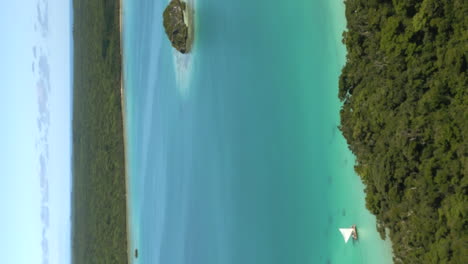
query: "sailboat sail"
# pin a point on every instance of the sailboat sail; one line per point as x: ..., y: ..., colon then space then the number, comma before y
x: 346, y: 232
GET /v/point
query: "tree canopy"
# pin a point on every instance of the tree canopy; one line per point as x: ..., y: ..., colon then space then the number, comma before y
x: 99, y: 216
x: 405, y: 116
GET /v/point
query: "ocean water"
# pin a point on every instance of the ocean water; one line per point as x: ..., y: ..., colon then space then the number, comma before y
x: 234, y: 155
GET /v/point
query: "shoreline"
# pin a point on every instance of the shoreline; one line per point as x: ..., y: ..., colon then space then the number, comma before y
x: 99, y: 196
x: 410, y: 125
x: 125, y: 134
x: 130, y: 245
x: 349, y: 209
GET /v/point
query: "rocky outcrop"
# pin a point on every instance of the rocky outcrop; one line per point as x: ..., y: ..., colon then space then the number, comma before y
x: 176, y: 25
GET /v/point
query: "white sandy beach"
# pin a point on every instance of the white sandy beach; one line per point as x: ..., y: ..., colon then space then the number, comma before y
x: 125, y: 133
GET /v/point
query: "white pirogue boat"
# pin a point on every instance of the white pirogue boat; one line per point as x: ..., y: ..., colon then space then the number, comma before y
x: 349, y: 232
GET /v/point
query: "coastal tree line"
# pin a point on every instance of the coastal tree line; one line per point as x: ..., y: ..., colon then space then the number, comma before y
x: 99, y: 217
x: 404, y: 90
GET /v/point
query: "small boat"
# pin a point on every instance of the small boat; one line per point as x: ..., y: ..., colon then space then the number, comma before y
x: 136, y: 253
x: 349, y: 232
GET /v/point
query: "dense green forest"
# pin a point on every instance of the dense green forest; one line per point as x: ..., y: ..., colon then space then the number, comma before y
x: 99, y: 232
x: 405, y: 116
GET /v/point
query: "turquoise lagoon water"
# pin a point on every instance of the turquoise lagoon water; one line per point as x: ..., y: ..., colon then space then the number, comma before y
x: 234, y: 152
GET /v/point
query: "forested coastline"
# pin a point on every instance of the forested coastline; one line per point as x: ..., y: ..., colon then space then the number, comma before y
x: 404, y: 90
x: 99, y: 232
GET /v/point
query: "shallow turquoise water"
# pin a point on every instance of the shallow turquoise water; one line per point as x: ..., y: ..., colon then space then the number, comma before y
x: 234, y: 152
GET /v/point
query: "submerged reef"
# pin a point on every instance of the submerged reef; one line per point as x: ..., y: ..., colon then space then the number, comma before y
x: 177, y: 24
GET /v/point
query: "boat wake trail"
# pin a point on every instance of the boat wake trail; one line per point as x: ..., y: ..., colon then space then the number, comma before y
x: 183, y: 63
